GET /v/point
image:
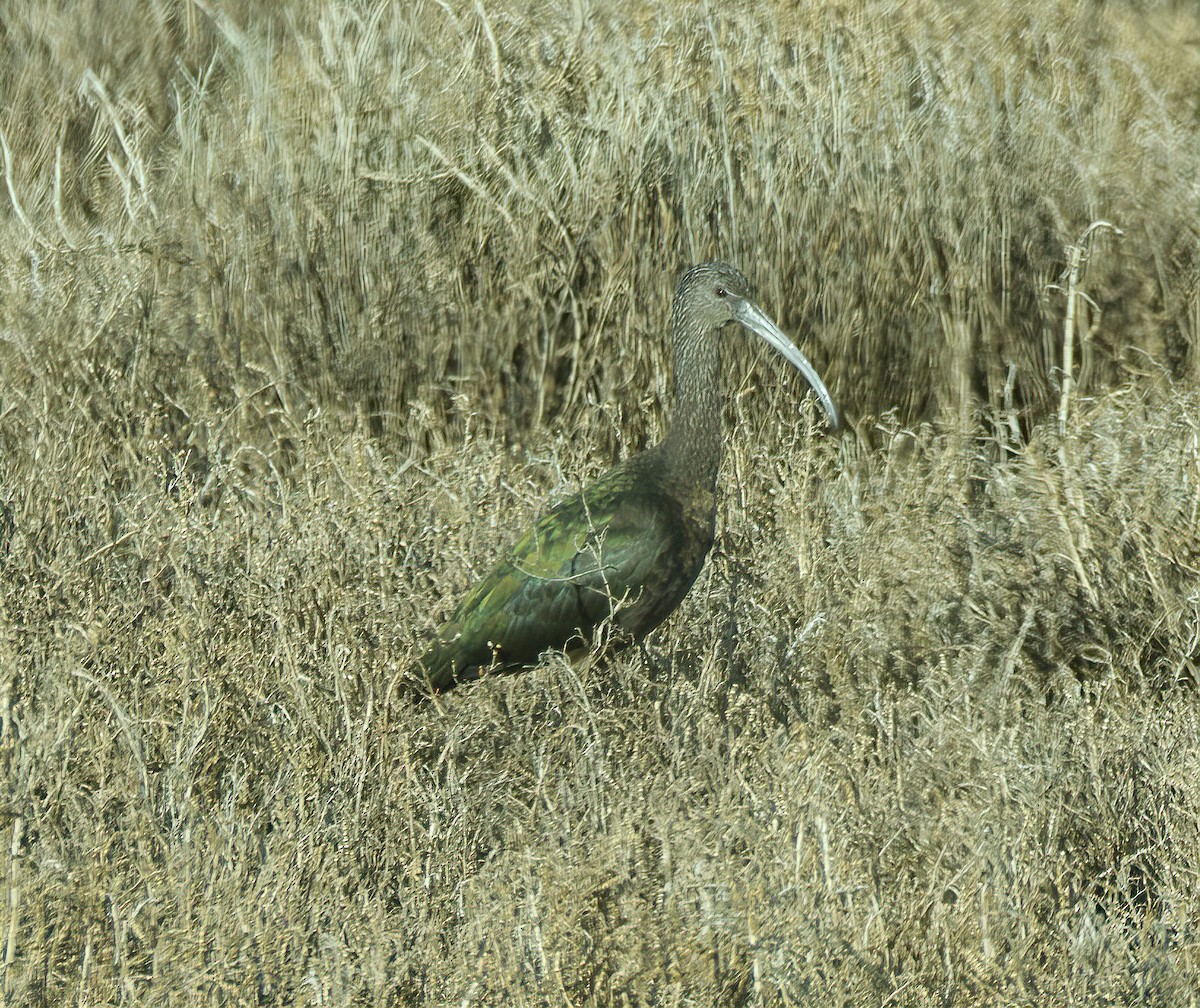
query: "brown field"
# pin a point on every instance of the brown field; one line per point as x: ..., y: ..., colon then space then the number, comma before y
x: 307, y: 308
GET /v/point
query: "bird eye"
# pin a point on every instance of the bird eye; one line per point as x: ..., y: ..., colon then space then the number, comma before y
x: 721, y: 292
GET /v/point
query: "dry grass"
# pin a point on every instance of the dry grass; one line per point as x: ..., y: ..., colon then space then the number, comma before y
x: 307, y: 307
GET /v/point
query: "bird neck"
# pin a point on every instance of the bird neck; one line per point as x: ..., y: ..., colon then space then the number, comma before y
x: 691, y: 451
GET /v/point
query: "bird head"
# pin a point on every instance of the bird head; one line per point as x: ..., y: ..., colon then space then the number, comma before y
x: 713, y: 294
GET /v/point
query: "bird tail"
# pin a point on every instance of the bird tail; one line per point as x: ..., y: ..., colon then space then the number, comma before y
x: 435, y: 668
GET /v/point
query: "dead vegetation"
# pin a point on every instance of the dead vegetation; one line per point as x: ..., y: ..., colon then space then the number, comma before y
x: 306, y: 308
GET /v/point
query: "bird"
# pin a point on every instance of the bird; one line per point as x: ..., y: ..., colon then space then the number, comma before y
x: 606, y: 566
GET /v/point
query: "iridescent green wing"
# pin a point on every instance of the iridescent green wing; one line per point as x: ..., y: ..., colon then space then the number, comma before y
x: 587, y: 557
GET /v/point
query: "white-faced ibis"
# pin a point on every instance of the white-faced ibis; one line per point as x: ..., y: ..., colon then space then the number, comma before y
x: 622, y: 554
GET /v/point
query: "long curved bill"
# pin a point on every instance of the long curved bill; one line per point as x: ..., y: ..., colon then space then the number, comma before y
x: 754, y: 319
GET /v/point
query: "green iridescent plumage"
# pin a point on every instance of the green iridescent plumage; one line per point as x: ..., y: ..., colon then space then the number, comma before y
x: 602, y: 555
x: 621, y: 555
